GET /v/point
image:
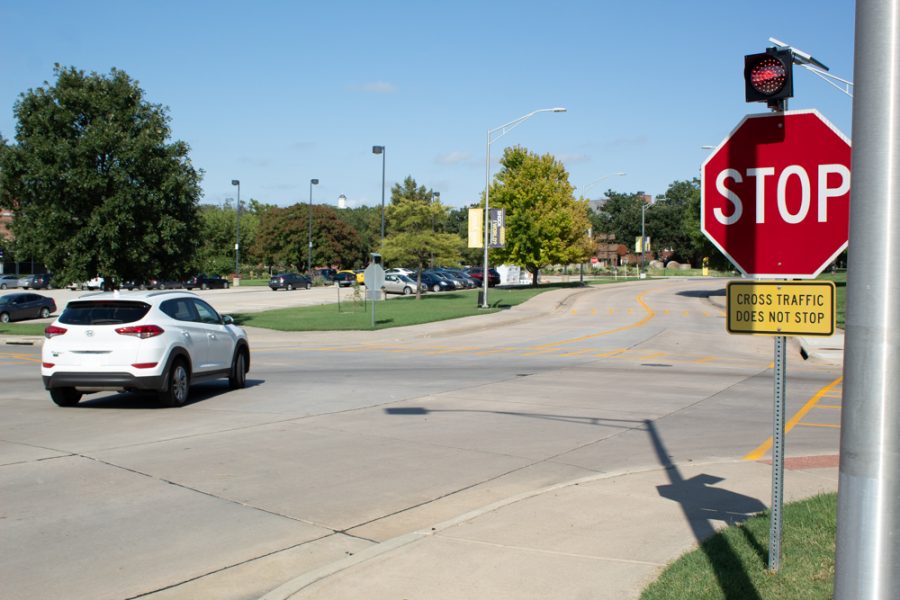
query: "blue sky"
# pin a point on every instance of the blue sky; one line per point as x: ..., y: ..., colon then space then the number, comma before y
x: 277, y: 93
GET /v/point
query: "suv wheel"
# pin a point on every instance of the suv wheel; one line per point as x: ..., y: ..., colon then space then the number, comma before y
x: 176, y: 393
x: 66, y: 396
x: 238, y: 376
x: 289, y: 287
x: 436, y: 288
x: 4, y: 317
x: 45, y: 312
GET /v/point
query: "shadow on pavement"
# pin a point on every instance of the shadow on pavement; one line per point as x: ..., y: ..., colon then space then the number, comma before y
x: 702, y: 504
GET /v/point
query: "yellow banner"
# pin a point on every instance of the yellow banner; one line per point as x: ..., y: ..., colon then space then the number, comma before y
x: 476, y: 228
x: 781, y: 307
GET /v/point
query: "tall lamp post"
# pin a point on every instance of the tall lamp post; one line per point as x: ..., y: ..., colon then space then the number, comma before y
x: 381, y: 150
x: 312, y: 182
x: 644, y: 207
x: 492, y: 136
x: 237, y: 231
x: 584, y: 195
x: 434, y: 196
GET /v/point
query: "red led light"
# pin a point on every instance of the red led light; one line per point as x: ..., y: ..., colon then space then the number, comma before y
x: 768, y: 76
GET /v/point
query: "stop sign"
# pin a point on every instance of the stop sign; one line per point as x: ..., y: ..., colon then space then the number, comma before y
x: 775, y: 195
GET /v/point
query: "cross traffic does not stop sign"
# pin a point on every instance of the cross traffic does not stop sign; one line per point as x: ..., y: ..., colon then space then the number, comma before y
x: 775, y: 195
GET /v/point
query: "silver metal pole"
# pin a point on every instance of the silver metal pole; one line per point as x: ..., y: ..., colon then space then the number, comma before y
x: 868, y: 527
x: 775, y: 519
x: 487, y: 194
x: 383, y: 160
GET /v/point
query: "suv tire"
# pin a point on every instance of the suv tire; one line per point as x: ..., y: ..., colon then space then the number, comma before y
x: 66, y: 396
x: 237, y: 379
x: 178, y: 384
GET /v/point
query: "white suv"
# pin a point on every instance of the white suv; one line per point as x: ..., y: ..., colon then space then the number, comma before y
x: 159, y: 341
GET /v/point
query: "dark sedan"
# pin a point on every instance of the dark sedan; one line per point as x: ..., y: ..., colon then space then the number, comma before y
x: 289, y: 281
x: 23, y: 305
x: 344, y: 278
x: 206, y: 282
x: 435, y: 282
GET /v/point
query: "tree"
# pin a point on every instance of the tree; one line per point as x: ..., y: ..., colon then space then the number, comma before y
x: 94, y: 183
x: 283, y: 235
x: 414, y: 238
x: 545, y: 224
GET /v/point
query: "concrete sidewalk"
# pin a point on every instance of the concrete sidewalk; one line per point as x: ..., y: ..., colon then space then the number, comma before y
x: 603, y: 537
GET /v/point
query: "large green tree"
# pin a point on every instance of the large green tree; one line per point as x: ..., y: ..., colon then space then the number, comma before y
x: 95, y: 183
x: 545, y: 224
x: 282, y: 238
x: 416, y: 219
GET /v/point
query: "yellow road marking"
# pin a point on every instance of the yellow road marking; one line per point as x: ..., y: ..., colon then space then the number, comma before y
x: 573, y: 311
x: 764, y: 447
x: 685, y: 313
x: 612, y: 311
x: 704, y: 359
x: 579, y: 352
x: 612, y: 353
x: 452, y: 350
x: 666, y: 311
x: 494, y: 351
x: 543, y: 351
x: 641, y: 323
x: 835, y: 406
x: 652, y: 355
x: 829, y: 425
x: 593, y: 312
x: 630, y: 311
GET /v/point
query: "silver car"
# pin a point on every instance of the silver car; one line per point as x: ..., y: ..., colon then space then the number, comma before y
x: 395, y: 283
x: 8, y: 282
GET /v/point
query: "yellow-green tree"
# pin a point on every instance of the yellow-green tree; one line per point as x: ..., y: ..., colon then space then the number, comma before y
x: 545, y: 224
x: 415, y: 216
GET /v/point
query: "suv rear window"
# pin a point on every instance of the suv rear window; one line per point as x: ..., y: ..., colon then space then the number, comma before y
x: 103, y: 312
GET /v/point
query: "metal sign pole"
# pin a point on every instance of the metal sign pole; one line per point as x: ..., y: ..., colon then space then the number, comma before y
x: 868, y: 526
x: 777, y: 457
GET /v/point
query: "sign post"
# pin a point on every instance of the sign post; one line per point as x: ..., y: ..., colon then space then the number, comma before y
x: 775, y: 200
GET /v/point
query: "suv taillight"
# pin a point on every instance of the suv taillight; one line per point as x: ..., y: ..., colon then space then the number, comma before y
x: 141, y: 331
x: 53, y: 331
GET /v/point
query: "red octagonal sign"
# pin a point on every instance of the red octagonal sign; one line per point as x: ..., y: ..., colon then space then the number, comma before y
x: 775, y: 195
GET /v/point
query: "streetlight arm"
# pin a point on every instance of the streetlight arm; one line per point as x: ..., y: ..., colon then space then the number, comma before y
x: 507, y: 127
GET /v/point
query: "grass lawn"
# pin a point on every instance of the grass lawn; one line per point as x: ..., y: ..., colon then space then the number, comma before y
x: 731, y: 565
x: 22, y: 328
x: 840, y: 282
x: 397, y: 312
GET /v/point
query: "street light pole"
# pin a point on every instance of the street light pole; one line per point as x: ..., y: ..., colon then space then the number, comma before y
x: 237, y: 231
x: 383, y: 152
x: 434, y: 196
x: 492, y: 136
x: 312, y: 182
x: 644, y: 207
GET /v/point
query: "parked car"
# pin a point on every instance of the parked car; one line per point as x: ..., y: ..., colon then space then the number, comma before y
x: 395, y: 283
x: 345, y: 278
x: 152, y: 341
x: 399, y: 271
x: 40, y: 281
x: 457, y: 282
x: 157, y: 283
x: 289, y: 281
x: 436, y: 283
x: 463, y: 276
x: 477, y: 273
x: 206, y: 282
x: 9, y: 282
x: 25, y: 305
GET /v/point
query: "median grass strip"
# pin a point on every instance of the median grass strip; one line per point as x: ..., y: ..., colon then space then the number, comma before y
x: 397, y: 312
x: 22, y: 328
x: 732, y: 565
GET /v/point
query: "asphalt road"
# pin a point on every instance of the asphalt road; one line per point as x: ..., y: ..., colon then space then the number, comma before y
x: 344, y: 440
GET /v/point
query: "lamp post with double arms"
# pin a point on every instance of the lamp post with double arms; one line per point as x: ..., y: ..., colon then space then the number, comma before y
x: 381, y: 150
x: 492, y: 136
x: 237, y: 231
x: 312, y: 182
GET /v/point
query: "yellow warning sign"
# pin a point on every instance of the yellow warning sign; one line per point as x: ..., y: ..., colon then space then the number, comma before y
x: 781, y: 307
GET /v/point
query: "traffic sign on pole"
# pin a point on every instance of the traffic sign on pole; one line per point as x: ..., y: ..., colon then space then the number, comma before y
x: 775, y: 195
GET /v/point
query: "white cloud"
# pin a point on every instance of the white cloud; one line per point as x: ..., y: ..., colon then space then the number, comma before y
x: 453, y: 158
x: 572, y: 159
